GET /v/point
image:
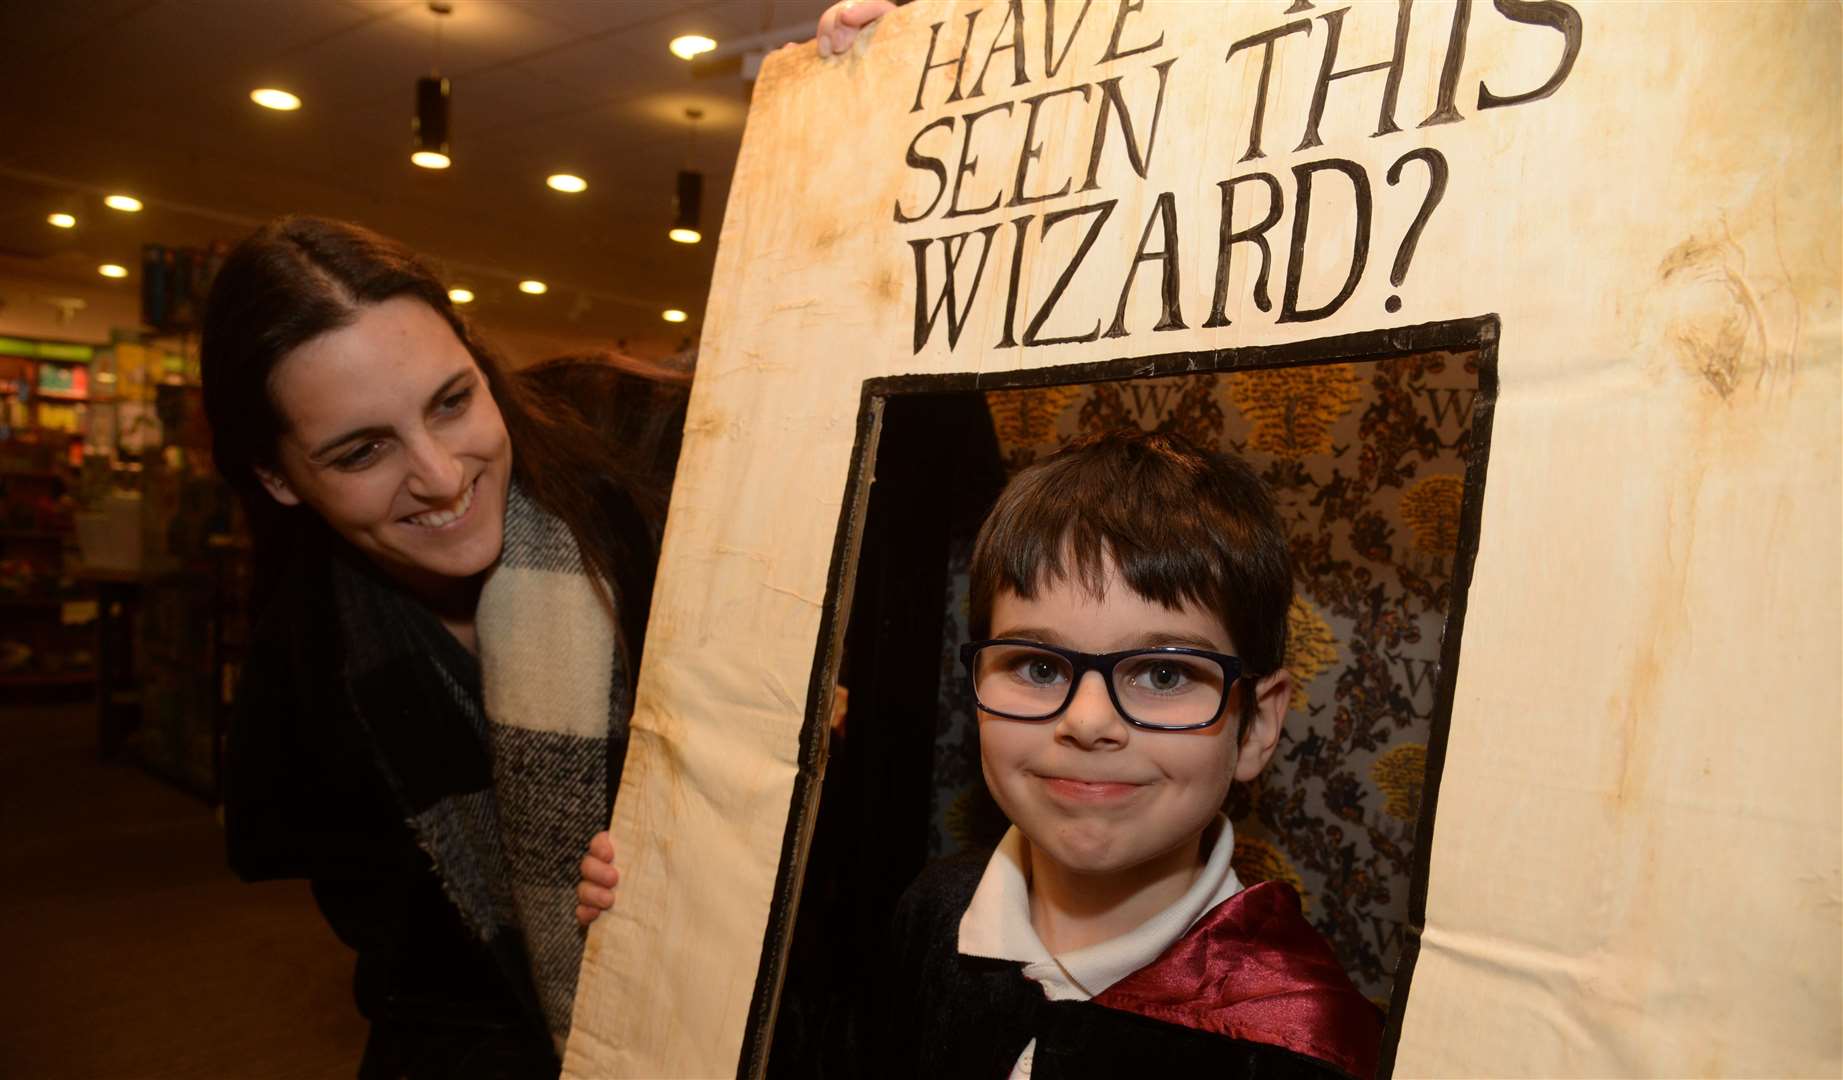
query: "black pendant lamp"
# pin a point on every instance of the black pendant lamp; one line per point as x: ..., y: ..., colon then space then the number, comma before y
x: 430, y: 124
x: 689, y: 201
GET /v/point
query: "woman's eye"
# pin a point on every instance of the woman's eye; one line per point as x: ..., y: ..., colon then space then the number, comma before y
x: 456, y: 401
x: 361, y: 456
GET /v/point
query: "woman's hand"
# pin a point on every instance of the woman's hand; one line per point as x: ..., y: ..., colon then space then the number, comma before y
x: 595, y: 892
x: 840, y: 24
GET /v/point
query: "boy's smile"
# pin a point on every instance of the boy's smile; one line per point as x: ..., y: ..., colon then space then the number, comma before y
x: 1091, y: 792
x: 1080, y: 790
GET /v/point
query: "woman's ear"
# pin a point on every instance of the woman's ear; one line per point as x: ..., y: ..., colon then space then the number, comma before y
x: 277, y: 486
x: 1272, y: 694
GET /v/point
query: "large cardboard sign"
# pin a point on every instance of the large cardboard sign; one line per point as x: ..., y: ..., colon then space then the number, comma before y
x: 1621, y: 219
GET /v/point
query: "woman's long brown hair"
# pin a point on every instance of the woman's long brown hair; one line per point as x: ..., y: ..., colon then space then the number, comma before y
x: 297, y: 278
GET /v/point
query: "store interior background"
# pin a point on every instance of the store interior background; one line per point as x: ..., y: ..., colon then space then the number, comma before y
x: 131, y: 949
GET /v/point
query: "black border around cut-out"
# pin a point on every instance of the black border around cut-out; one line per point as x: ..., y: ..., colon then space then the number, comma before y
x: 1480, y: 332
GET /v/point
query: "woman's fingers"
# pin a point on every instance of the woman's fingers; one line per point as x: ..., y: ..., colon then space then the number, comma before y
x: 595, y: 892
x: 589, y: 894
x: 591, y: 901
x: 597, y: 872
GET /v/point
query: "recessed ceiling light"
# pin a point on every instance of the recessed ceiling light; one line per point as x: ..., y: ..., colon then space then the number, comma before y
x: 63, y: 221
x: 279, y: 100
x: 686, y: 236
x: 112, y: 270
x: 430, y: 159
x: 673, y: 315
x: 461, y: 296
x: 533, y: 286
x: 127, y: 204
x: 689, y: 46
x: 567, y: 182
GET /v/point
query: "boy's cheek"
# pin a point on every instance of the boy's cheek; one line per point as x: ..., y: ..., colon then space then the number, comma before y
x: 1001, y: 762
x: 991, y: 769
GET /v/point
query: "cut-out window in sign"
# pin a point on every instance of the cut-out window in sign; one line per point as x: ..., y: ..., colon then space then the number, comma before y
x: 1375, y: 447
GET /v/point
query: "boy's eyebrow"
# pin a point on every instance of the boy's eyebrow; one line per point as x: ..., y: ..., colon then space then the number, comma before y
x: 1153, y: 640
x: 1030, y: 633
x: 1192, y: 641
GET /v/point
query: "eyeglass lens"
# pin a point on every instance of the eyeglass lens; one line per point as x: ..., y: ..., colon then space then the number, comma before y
x: 1153, y: 688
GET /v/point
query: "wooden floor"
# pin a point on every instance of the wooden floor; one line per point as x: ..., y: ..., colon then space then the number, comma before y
x: 126, y: 947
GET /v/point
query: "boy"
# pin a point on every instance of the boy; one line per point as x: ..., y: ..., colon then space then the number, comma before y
x: 1128, y: 609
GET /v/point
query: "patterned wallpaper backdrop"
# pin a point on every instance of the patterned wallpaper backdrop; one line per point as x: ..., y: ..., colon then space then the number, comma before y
x: 1367, y: 462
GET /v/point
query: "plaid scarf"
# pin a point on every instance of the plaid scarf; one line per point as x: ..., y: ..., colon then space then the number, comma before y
x: 505, y: 764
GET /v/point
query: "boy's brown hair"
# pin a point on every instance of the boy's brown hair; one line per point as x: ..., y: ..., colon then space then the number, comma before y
x: 1183, y: 525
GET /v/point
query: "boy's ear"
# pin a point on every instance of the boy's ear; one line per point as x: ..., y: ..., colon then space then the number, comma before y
x: 277, y: 486
x: 1272, y: 695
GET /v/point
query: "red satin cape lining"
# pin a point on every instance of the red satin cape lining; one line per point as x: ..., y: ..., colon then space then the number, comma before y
x: 1253, y: 968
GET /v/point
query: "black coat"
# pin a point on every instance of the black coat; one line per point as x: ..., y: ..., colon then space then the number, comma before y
x: 305, y: 797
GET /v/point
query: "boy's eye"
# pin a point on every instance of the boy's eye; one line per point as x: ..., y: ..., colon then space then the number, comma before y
x: 1034, y: 669
x: 1042, y: 670
x: 1167, y: 675
x: 1163, y: 677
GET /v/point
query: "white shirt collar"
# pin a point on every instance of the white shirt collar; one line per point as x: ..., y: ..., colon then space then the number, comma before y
x: 997, y: 921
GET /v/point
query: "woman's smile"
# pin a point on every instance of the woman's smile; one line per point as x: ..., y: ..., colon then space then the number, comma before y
x: 449, y: 517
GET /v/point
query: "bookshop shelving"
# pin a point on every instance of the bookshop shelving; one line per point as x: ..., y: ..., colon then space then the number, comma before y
x: 46, y: 639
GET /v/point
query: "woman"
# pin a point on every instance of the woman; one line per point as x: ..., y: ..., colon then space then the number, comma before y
x: 429, y: 540
x: 452, y: 583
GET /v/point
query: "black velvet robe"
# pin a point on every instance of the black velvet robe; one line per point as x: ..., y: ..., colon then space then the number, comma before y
x: 942, y: 1014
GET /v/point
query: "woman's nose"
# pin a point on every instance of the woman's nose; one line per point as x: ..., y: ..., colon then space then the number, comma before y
x: 1091, y: 721
x: 436, y: 474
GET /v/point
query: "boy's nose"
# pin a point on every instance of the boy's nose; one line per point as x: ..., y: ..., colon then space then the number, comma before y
x: 1091, y: 722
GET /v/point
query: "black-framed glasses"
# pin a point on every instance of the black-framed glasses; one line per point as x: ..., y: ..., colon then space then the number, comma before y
x: 1169, y: 688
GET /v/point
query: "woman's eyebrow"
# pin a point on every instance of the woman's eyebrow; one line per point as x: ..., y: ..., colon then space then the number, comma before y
x: 325, y: 449
x: 448, y: 387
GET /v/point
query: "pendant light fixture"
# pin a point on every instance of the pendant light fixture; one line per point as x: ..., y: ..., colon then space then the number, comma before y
x: 430, y: 126
x: 690, y: 195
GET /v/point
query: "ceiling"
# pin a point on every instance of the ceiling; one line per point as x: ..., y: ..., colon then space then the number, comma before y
x: 151, y: 97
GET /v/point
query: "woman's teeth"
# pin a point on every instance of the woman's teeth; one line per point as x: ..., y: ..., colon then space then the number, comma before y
x: 435, y: 519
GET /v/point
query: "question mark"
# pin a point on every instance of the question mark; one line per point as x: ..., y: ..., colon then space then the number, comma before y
x: 1436, y: 189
